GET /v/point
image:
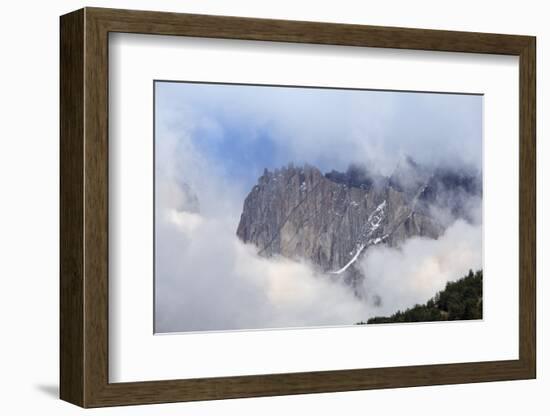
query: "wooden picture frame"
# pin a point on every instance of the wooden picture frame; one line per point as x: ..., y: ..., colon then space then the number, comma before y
x: 84, y: 207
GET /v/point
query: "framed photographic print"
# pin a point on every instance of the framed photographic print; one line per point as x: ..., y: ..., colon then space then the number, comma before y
x: 255, y: 207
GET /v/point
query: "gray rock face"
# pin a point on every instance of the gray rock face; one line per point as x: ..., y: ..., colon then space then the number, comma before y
x: 190, y: 201
x: 332, y: 219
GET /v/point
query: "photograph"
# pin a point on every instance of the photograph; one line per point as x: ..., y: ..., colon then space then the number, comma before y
x: 281, y: 206
x: 278, y: 204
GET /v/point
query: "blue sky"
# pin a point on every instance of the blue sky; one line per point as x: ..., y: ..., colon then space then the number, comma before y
x: 238, y: 130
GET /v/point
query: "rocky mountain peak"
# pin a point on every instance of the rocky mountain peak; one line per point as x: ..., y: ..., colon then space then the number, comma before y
x: 189, y: 201
x: 331, y: 220
x: 408, y: 176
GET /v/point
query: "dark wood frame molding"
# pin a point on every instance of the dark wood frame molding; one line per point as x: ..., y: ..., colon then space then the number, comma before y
x: 84, y: 207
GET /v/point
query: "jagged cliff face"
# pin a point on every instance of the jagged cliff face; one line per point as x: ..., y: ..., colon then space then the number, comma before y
x: 333, y: 219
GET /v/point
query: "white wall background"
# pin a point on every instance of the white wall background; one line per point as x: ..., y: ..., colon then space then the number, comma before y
x: 29, y: 208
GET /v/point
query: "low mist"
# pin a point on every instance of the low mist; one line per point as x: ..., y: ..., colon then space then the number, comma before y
x: 208, y: 280
x: 398, y: 278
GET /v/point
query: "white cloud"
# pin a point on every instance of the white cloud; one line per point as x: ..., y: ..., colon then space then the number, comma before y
x: 419, y: 268
x: 187, y: 222
x: 331, y: 128
x: 207, y: 279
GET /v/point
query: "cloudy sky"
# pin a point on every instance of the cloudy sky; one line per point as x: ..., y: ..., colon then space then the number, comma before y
x: 217, y: 139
